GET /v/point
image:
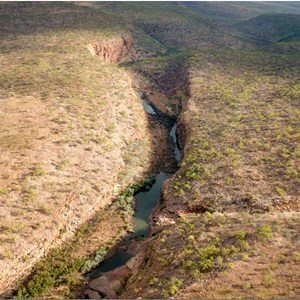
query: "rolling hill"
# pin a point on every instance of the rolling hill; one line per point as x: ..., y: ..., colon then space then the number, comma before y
x: 272, y: 27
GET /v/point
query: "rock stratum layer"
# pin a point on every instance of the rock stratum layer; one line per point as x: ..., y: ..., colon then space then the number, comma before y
x: 114, y: 50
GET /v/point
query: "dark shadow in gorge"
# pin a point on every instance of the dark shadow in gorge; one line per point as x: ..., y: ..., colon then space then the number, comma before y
x: 164, y: 162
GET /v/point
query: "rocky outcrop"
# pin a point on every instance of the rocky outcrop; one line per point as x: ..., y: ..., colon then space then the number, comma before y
x: 113, y: 50
x: 109, y: 284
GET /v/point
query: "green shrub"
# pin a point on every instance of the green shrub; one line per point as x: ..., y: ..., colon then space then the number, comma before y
x: 279, y: 191
x: 95, y: 261
x: 4, y: 191
x: 39, y: 171
x: 57, y: 271
x: 264, y: 231
x: 206, y: 257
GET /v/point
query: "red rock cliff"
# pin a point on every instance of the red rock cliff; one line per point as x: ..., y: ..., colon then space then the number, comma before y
x: 113, y: 50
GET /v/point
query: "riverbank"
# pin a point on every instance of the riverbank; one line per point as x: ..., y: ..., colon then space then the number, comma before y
x: 114, y: 271
x: 98, y: 236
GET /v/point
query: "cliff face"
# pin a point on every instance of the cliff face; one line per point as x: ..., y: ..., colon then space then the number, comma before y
x: 113, y: 50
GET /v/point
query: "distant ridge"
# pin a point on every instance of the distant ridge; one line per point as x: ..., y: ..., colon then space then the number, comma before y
x: 243, y: 10
x: 272, y: 27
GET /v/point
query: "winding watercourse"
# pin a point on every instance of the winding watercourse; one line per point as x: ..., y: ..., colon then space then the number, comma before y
x: 146, y: 201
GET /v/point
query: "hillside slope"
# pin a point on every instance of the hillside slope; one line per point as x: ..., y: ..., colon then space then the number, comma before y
x: 173, y: 24
x: 272, y: 27
x: 242, y: 9
x: 69, y: 122
x: 233, y: 206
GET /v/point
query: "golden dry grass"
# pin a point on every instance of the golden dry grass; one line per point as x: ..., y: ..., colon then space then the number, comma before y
x: 67, y: 123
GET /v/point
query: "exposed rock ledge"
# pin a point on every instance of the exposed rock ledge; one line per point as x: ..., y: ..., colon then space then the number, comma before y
x: 113, y: 50
x: 108, y: 285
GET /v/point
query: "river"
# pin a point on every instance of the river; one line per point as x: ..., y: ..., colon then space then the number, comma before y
x: 146, y: 201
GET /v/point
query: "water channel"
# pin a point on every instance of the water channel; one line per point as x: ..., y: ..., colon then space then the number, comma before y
x: 145, y: 203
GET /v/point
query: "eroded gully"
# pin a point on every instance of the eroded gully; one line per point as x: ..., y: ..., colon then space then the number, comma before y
x: 108, y: 277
